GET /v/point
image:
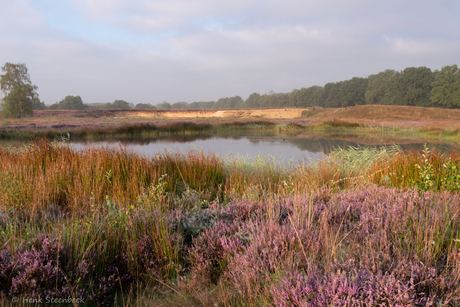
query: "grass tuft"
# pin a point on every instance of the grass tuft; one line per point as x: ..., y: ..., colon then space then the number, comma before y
x: 365, y: 226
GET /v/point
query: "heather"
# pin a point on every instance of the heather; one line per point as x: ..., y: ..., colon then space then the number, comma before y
x: 390, y: 122
x: 366, y: 227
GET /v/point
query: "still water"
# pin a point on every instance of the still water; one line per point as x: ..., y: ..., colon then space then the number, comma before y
x: 249, y: 148
x: 299, y: 148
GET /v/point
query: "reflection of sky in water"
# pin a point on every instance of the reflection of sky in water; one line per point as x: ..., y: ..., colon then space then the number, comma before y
x: 224, y: 147
x: 290, y: 149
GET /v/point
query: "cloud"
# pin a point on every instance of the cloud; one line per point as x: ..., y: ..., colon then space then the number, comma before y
x: 100, y: 9
x: 156, y: 15
x: 18, y: 19
x: 178, y: 50
x: 413, y: 47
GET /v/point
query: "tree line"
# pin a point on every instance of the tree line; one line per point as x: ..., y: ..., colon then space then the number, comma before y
x: 413, y: 86
x: 76, y: 103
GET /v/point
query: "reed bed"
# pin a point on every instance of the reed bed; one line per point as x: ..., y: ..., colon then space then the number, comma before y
x: 102, y: 129
x: 367, y: 227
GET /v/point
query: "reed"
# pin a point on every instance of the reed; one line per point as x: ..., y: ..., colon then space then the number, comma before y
x: 379, y: 226
x: 105, y: 130
x: 341, y: 124
x: 48, y: 174
x: 428, y: 170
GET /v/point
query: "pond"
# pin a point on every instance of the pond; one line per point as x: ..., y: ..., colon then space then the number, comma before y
x: 295, y: 148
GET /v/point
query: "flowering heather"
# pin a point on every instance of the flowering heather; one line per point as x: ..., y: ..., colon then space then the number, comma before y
x: 355, y: 287
x: 45, y: 271
x: 363, y: 248
x: 189, y: 230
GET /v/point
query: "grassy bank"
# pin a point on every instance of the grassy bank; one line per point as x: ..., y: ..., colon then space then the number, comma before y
x: 147, y: 129
x: 396, y: 131
x: 177, y: 128
x: 366, y: 227
x: 361, y: 119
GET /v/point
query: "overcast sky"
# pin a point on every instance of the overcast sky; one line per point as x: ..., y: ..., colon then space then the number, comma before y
x: 178, y: 50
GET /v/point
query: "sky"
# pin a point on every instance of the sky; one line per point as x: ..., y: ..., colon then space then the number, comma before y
x: 202, y: 50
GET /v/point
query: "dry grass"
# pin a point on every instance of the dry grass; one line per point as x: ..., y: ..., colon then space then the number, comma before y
x: 368, y: 115
x: 378, y: 114
x: 380, y: 227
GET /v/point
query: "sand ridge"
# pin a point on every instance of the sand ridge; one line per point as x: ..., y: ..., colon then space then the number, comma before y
x: 262, y: 113
x: 368, y: 115
x: 281, y: 113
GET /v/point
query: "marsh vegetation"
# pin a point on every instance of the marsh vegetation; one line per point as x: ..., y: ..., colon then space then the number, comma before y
x: 368, y: 226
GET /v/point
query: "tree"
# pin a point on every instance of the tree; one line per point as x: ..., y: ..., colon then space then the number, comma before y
x: 120, y: 104
x: 180, y: 105
x: 18, y: 91
x: 37, y: 104
x: 70, y: 103
x: 144, y: 106
x: 227, y: 103
x: 164, y: 106
x: 252, y: 101
x: 305, y: 97
x: 352, y: 92
x: 446, y: 87
x: 378, y: 86
x: 410, y: 87
x: 330, y: 96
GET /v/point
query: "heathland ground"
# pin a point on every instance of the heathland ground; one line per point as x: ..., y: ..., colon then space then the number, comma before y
x: 367, y: 227
x: 395, y: 116
x: 399, y: 120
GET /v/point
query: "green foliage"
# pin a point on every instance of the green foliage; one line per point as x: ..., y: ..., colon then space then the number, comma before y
x: 201, y: 105
x: 410, y: 87
x: 305, y: 97
x: 414, y: 86
x: 164, y: 106
x: 121, y: 104
x: 252, y: 101
x: 69, y: 103
x: 426, y: 178
x: 144, y: 106
x: 12, y: 189
x: 37, y: 104
x: 354, y: 160
x: 437, y: 176
x: 156, y: 195
x: 352, y: 92
x: 18, y: 90
x: 117, y: 104
x: 54, y: 106
x: 330, y: 96
x: 446, y: 87
x: 179, y: 106
x: 451, y: 178
x: 378, y: 86
x: 228, y: 103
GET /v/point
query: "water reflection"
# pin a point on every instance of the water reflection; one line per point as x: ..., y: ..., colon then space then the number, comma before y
x: 224, y: 147
x: 306, y: 148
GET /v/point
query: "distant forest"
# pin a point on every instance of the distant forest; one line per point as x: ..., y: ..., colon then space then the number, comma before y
x: 413, y: 86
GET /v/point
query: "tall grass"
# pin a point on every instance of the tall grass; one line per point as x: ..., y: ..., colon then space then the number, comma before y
x: 379, y: 226
x: 47, y: 174
x: 355, y: 160
x: 173, y: 127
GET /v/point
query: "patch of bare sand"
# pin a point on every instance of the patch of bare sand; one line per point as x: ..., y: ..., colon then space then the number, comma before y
x: 261, y: 113
x: 264, y: 113
x: 396, y: 116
